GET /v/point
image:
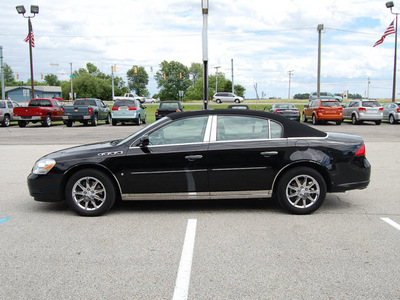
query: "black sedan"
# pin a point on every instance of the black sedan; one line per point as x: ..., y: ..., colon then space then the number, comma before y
x: 287, y: 110
x: 207, y: 154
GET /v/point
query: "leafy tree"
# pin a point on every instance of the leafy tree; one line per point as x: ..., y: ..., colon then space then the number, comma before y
x: 196, y: 71
x: 52, y: 80
x: 302, y: 96
x: 137, y: 82
x: 172, y: 83
x: 9, y: 78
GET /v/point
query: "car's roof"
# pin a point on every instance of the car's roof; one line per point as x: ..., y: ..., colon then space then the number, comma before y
x: 291, y: 128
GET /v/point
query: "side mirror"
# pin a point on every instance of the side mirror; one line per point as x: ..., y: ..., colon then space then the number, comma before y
x: 144, y: 141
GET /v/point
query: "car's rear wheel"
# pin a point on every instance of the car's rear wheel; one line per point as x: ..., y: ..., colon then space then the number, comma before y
x: 237, y: 101
x: 108, y: 120
x: 301, y: 190
x: 392, y: 120
x: 354, y: 119
x: 314, y: 120
x: 218, y: 101
x: 47, y: 121
x: 338, y: 122
x: 68, y: 123
x: 22, y: 123
x: 94, y: 120
x: 378, y: 122
x: 90, y: 192
x: 304, y: 117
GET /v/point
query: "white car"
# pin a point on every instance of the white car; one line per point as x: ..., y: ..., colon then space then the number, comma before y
x: 226, y: 97
x: 151, y: 100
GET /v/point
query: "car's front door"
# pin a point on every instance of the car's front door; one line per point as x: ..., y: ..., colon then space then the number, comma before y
x: 174, y: 162
x: 244, y: 155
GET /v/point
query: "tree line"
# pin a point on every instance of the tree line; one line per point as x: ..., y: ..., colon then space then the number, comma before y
x: 172, y: 77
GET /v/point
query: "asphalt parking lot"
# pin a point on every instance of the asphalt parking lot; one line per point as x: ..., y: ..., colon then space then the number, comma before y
x: 242, y: 249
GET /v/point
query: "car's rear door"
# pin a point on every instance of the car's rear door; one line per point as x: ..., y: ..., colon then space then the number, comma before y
x: 244, y: 155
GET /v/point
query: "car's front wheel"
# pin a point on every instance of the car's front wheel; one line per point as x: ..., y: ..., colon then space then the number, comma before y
x: 90, y: 192
x: 314, y: 120
x: 6, y: 121
x: 47, y: 121
x: 301, y: 190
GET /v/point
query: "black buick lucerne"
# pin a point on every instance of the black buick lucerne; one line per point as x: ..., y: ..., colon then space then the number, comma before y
x: 208, y: 154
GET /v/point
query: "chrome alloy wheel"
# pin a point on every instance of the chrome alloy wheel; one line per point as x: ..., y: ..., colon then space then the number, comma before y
x: 302, y: 191
x: 89, y: 193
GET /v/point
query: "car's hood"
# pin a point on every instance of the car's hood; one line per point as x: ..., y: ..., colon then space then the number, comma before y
x: 102, y: 149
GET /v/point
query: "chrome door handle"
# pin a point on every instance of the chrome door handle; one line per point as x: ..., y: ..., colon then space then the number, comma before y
x: 269, y: 153
x: 193, y: 157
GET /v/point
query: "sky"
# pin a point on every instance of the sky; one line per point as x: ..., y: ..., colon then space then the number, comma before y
x: 265, y: 40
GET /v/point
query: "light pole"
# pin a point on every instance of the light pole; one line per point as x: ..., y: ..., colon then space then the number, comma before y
x: 204, y: 7
x: 216, y: 78
x: 319, y: 28
x: 390, y: 5
x: 34, y: 10
x: 290, y: 79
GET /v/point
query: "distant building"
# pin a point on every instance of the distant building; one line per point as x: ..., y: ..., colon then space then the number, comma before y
x: 23, y: 93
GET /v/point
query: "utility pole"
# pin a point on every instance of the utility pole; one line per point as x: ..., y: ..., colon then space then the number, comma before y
x: 319, y: 28
x: 3, y: 93
x: 368, y: 88
x: 233, y: 85
x: 216, y: 78
x: 290, y: 79
x: 204, y: 9
x: 72, y: 87
x: 112, y: 82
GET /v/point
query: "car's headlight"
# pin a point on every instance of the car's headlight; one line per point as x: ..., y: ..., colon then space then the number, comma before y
x: 43, y: 166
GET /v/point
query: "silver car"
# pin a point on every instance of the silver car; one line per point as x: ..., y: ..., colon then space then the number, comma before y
x: 391, y: 112
x: 363, y: 110
x: 6, y: 112
x: 226, y: 97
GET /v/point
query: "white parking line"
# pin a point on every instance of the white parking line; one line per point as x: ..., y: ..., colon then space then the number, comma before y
x: 185, y: 266
x: 391, y: 222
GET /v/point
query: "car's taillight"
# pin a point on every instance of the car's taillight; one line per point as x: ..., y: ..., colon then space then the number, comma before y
x: 361, y: 151
x: 321, y: 109
x: 157, y: 112
x: 380, y: 108
x: 398, y: 110
x: 90, y: 110
x: 132, y: 108
x: 362, y: 109
x: 278, y: 111
x: 177, y: 110
x: 340, y: 108
x: 115, y: 108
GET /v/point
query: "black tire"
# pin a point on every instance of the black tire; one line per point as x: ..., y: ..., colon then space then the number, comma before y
x: 304, y: 117
x: 314, y: 120
x: 338, y: 122
x: 22, y: 123
x: 139, y: 120
x: 68, y: 123
x: 90, y: 192
x: 392, y: 120
x: 301, y: 190
x: 114, y: 123
x: 108, y: 120
x: 378, y: 122
x: 218, y: 101
x: 94, y: 121
x: 47, y: 121
x: 6, y: 121
x: 237, y: 101
x: 145, y: 120
x: 354, y: 119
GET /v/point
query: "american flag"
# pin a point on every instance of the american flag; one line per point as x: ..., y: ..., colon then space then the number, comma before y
x: 388, y: 31
x: 30, y: 36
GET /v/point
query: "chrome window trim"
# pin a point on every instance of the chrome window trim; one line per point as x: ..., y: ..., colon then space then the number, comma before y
x: 167, y: 172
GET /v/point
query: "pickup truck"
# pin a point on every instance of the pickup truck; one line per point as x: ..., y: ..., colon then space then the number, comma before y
x: 85, y: 110
x: 133, y: 96
x: 168, y: 107
x: 6, y: 112
x: 39, y: 110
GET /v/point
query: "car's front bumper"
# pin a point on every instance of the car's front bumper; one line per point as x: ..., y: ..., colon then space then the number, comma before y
x: 45, y: 188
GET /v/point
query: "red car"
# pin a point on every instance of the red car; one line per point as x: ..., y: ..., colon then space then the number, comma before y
x: 323, y: 110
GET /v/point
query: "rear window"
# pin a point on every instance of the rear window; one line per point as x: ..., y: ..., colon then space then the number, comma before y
x: 167, y: 105
x: 371, y: 104
x: 285, y: 106
x: 129, y: 103
x: 2, y: 104
x: 43, y: 103
x: 330, y: 104
x: 85, y: 102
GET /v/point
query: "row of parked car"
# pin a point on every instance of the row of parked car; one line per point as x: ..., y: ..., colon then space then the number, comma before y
x: 358, y: 111
x: 85, y: 111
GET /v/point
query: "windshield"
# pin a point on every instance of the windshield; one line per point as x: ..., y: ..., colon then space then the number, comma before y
x: 137, y: 134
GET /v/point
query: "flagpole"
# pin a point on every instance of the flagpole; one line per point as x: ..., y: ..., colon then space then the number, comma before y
x: 30, y: 56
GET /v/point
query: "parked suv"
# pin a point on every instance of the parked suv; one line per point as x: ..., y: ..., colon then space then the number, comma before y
x: 323, y: 110
x: 325, y: 95
x: 363, y: 110
x: 391, y: 112
x: 6, y: 111
x: 226, y: 97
